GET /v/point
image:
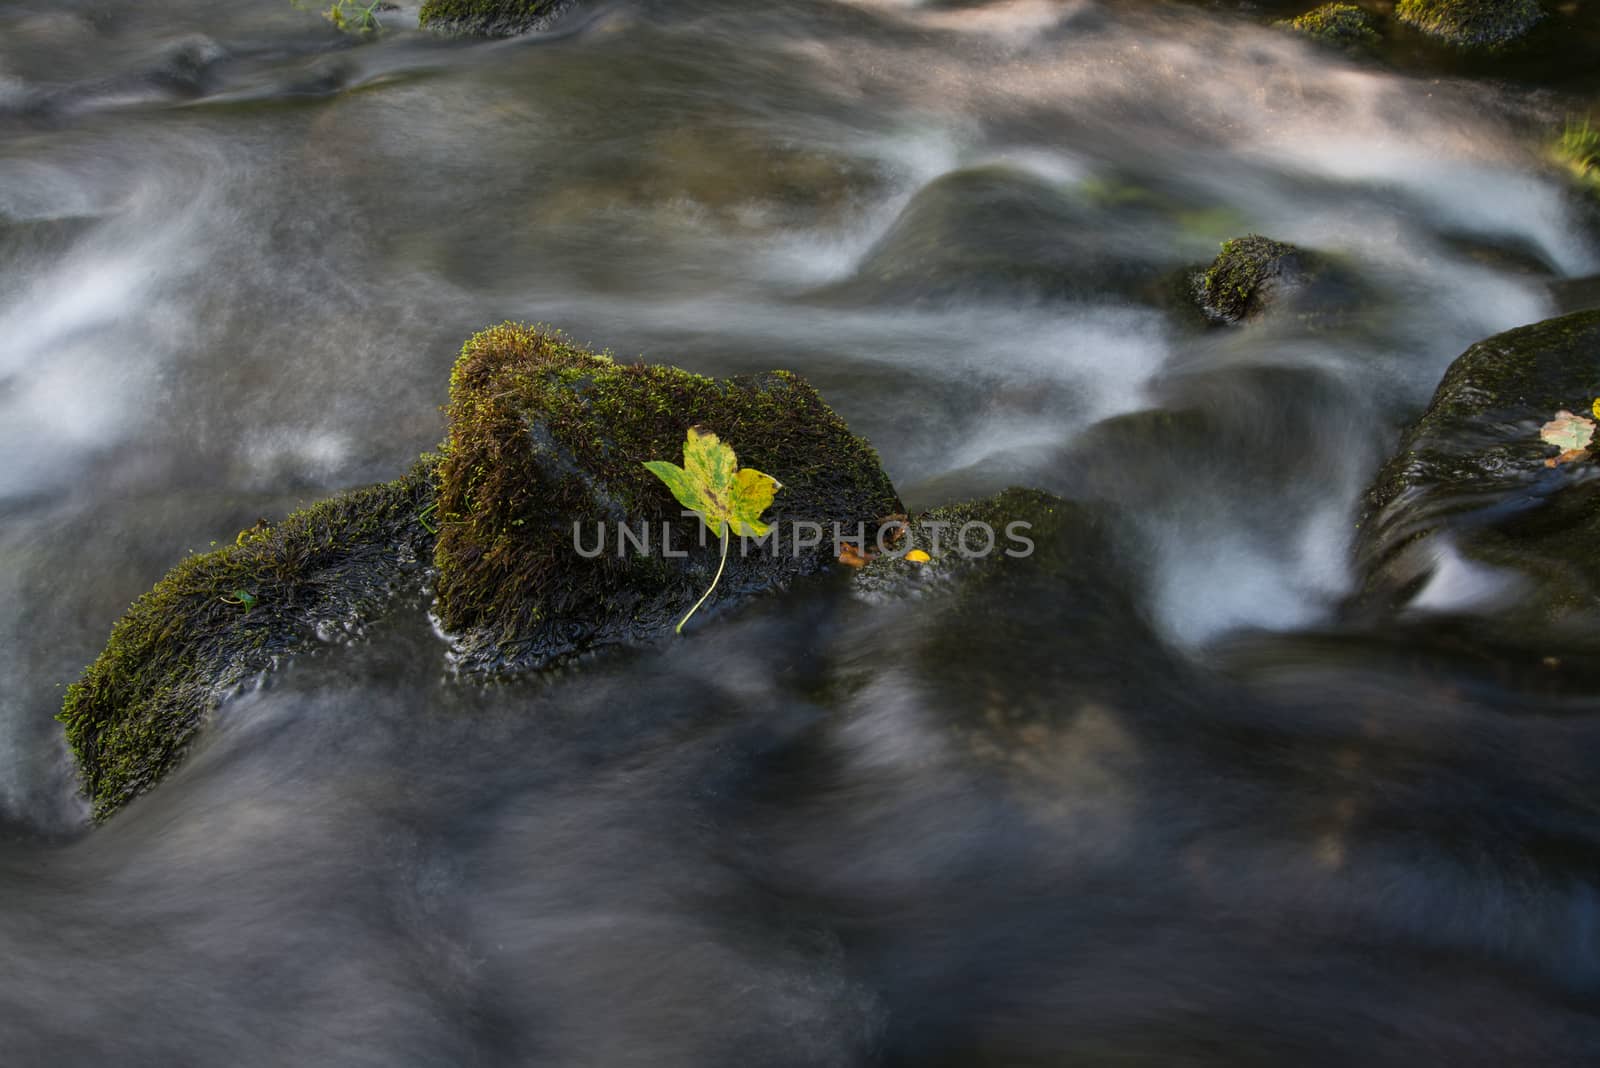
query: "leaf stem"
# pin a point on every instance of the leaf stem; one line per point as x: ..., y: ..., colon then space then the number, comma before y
x: 723, y: 537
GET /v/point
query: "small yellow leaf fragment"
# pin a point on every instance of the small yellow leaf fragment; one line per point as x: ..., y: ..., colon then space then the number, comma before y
x: 1596, y: 408
x: 917, y: 556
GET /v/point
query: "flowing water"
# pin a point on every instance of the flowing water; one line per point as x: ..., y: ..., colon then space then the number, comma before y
x: 1126, y: 811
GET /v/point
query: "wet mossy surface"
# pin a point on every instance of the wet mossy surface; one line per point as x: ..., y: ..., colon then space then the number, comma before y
x: 1340, y: 25
x: 545, y: 435
x: 1473, y: 468
x: 489, y: 18
x: 1485, y: 24
x: 219, y: 617
x: 1247, y: 276
x: 1255, y: 278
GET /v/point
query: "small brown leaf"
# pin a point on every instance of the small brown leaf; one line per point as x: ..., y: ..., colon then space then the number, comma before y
x: 1567, y: 457
x: 853, y: 556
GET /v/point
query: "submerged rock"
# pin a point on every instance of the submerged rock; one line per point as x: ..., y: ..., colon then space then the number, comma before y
x: 998, y: 232
x: 1472, y: 478
x: 1471, y: 23
x: 220, y: 617
x: 546, y: 450
x: 1342, y: 25
x: 490, y: 18
x: 1036, y: 657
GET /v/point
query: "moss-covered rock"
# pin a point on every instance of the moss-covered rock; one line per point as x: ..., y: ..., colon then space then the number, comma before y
x: 545, y: 435
x: 1471, y: 23
x: 490, y: 18
x: 1472, y: 473
x: 221, y: 616
x: 1255, y: 277
x: 1341, y: 25
x: 1248, y: 275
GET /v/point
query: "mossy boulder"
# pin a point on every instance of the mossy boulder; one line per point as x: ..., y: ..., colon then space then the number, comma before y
x: 1255, y: 277
x: 545, y: 436
x: 1248, y: 276
x: 1340, y: 25
x: 490, y: 18
x: 220, y: 617
x: 1472, y: 473
x: 1471, y: 23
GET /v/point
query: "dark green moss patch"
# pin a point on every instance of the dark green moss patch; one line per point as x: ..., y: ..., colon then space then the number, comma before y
x: 545, y: 435
x: 221, y: 616
x: 1341, y: 25
x: 1247, y: 276
x: 489, y: 18
x: 1577, y: 150
x: 1471, y: 23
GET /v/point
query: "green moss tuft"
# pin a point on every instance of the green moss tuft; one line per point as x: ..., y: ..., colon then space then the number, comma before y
x: 1471, y: 23
x: 1238, y: 284
x: 487, y: 17
x: 1578, y: 150
x: 1344, y: 25
x: 545, y: 434
x: 221, y: 616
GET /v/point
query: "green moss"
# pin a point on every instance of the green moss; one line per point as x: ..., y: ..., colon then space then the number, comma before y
x: 1344, y: 25
x: 1471, y: 23
x: 221, y: 616
x: 1237, y: 284
x: 488, y: 17
x: 545, y: 434
x: 1578, y: 150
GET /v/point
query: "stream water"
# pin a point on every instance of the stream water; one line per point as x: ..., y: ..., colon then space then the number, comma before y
x: 1132, y: 815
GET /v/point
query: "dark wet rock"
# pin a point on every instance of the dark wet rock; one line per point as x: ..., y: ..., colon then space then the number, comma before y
x: 1243, y: 433
x: 957, y: 540
x: 490, y: 18
x: 545, y: 435
x: 1471, y: 23
x: 1576, y: 294
x: 220, y: 617
x: 1472, y: 474
x: 1248, y: 276
x: 974, y: 638
x: 1340, y: 25
x: 186, y: 69
x: 997, y: 232
x: 1255, y: 277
